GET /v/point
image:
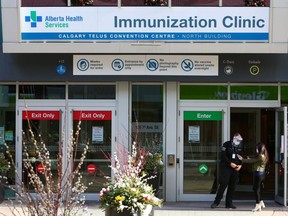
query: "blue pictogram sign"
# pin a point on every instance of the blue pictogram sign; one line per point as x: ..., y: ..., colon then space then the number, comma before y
x: 152, y: 64
x: 187, y: 65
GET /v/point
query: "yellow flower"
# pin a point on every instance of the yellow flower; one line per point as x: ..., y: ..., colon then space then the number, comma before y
x: 119, y: 198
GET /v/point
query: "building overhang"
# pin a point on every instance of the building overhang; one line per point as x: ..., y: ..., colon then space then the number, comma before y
x: 144, y: 47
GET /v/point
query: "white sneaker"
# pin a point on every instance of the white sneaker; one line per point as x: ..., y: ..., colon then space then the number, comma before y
x: 262, y: 204
x: 257, y: 208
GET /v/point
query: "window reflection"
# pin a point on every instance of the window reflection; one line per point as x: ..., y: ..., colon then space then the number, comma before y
x: 195, y: 2
x: 92, y: 92
x: 41, y: 3
x: 41, y: 92
x: 182, y: 3
x: 8, y: 131
x: 93, y: 2
x: 147, y: 119
x: 144, y: 2
x: 242, y: 3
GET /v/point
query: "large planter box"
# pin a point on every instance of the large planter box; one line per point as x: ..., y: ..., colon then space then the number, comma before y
x: 113, y: 212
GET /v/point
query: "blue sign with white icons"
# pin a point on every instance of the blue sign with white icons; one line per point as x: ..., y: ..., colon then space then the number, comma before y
x: 61, y: 69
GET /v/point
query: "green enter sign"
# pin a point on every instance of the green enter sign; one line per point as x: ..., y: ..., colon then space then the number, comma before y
x: 203, y: 115
x: 203, y: 168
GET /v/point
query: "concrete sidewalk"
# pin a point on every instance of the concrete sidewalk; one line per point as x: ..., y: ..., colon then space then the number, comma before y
x: 187, y: 209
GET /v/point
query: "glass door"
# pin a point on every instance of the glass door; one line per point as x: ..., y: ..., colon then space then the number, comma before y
x: 281, y: 156
x: 41, y: 134
x: 97, y: 133
x: 200, y: 146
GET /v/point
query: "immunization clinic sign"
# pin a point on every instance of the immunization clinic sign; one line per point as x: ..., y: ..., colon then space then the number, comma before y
x: 174, y: 65
x: 144, y: 23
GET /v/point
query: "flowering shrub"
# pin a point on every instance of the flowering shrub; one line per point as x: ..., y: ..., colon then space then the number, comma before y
x: 128, y: 188
x: 153, y: 163
x: 48, y: 194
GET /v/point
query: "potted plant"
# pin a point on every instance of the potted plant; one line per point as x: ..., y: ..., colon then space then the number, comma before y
x: 153, y: 168
x: 127, y: 192
x: 153, y: 163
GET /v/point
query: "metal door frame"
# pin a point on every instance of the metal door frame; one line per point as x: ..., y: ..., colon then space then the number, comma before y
x: 187, y: 107
x: 34, y: 107
x: 280, y: 162
x: 110, y: 106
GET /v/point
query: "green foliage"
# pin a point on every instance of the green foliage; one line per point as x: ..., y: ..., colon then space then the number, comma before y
x: 153, y: 163
x: 4, y: 164
x: 128, y: 189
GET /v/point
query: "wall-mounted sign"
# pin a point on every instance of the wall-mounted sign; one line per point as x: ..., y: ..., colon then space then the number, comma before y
x: 144, y: 23
x: 85, y: 115
x: 91, y: 168
x: 97, y: 134
x: 203, y: 168
x: 194, y: 134
x: 40, y: 115
x: 40, y: 169
x: 175, y: 65
x: 203, y: 115
x: 148, y: 127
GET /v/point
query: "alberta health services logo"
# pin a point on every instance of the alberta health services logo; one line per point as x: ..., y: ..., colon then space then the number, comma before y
x: 33, y: 19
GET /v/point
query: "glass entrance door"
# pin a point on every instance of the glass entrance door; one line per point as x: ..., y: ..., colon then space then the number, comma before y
x: 281, y: 156
x: 97, y: 133
x: 200, y: 145
x: 41, y: 136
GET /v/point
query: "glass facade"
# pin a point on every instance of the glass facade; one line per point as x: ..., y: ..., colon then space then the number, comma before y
x: 147, y: 124
x: 75, y: 92
x: 202, y: 138
x: 8, y: 128
x: 254, y: 93
x: 95, y: 138
x: 284, y: 95
x: 1, y: 40
x: 181, y: 3
x: 207, y: 92
x: 40, y: 135
x: 42, y: 92
x: 214, y: 92
x: 92, y: 92
x: 147, y: 117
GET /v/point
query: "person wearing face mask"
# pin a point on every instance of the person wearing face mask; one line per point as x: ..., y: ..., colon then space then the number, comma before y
x: 230, y: 166
x: 260, y: 161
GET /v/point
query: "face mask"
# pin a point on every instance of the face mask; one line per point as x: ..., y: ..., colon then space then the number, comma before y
x: 236, y: 143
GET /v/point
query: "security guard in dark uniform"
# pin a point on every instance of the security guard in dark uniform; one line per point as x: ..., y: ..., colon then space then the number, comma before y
x: 229, y: 170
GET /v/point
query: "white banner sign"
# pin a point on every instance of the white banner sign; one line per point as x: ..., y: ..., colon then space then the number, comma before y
x: 145, y: 23
x: 178, y: 65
